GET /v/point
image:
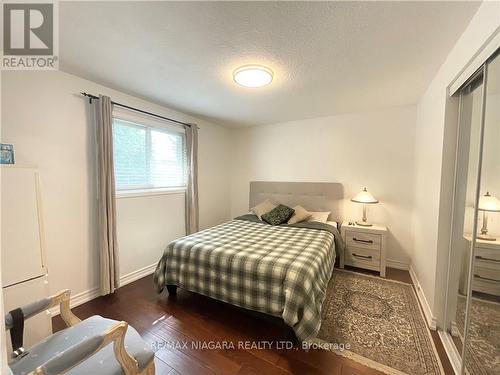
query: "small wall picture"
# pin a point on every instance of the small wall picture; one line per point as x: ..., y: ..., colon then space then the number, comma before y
x: 6, y: 154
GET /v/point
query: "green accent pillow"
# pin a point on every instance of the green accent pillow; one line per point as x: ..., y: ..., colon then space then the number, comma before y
x: 278, y: 215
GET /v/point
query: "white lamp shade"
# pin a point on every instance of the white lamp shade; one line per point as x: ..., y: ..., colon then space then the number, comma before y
x: 364, y: 197
x: 489, y: 203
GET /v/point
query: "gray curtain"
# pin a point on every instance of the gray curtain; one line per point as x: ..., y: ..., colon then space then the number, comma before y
x: 192, y: 220
x: 108, y: 247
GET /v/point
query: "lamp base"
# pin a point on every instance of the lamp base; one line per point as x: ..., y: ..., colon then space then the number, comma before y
x: 485, y: 237
x: 364, y: 224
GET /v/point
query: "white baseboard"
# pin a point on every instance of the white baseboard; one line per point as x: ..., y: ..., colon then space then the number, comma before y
x: 136, y: 275
x: 429, y: 316
x: 392, y: 263
x: 78, y: 299
x: 88, y: 295
x: 451, y: 351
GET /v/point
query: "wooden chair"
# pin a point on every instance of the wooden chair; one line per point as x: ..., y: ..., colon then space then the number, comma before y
x: 84, y: 347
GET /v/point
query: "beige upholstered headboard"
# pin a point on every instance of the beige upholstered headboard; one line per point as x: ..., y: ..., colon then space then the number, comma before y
x: 313, y: 196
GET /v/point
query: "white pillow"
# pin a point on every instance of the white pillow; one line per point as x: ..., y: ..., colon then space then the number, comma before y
x: 299, y: 215
x: 333, y: 224
x: 263, y: 208
x: 322, y: 217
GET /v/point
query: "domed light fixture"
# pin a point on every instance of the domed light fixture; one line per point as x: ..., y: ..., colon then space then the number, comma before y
x: 253, y: 76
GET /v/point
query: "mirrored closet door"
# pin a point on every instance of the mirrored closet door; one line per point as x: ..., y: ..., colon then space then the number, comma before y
x: 473, y: 303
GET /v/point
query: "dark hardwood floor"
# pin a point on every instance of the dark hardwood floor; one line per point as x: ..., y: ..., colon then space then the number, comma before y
x: 169, y: 322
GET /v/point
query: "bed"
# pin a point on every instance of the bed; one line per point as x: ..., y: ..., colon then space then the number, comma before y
x: 278, y: 270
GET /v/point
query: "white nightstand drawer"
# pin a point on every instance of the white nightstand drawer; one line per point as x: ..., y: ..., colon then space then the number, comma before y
x: 486, y: 272
x: 486, y: 280
x: 365, y: 258
x: 488, y: 255
x: 363, y: 240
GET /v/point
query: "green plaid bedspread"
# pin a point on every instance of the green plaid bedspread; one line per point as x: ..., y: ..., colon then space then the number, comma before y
x: 278, y: 270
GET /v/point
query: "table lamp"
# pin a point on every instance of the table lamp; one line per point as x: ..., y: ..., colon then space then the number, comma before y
x: 487, y: 203
x: 365, y: 198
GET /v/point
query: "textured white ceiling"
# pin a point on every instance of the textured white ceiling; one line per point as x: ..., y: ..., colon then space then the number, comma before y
x: 328, y: 57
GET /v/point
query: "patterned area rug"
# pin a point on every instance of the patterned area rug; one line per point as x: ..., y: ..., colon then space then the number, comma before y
x: 382, y: 323
x: 483, y: 344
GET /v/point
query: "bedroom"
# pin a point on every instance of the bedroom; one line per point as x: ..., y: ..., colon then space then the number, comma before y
x: 99, y: 190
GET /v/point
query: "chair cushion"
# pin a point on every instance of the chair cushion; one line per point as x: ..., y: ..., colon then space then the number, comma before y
x: 103, y: 362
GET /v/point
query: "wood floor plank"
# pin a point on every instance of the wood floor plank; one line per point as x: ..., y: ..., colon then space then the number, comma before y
x: 348, y: 370
x: 318, y: 359
x: 251, y: 364
x: 183, y: 363
x: 349, y: 367
x: 211, y: 358
x: 161, y: 368
x: 291, y: 362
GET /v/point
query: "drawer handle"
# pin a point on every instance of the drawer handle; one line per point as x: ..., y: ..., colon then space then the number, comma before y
x: 362, y: 256
x: 364, y: 241
x: 479, y: 257
x: 486, y: 278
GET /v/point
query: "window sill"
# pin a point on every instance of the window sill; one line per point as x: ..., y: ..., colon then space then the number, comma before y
x: 122, y: 194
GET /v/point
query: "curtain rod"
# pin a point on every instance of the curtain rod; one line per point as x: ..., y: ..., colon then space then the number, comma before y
x: 91, y: 97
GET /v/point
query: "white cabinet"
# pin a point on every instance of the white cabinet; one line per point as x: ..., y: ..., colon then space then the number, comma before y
x: 24, y: 274
x: 37, y: 327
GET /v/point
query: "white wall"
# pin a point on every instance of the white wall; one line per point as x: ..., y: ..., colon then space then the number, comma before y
x: 145, y: 225
x: 431, y: 119
x: 373, y: 149
x: 50, y: 125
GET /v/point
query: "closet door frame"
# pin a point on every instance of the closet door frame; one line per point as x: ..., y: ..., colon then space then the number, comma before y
x: 476, y: 213
x: 461, y: 170
x: 457, y: 214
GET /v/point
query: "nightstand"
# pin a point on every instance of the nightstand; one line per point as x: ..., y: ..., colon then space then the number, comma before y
x: 365, y: 247
x: 486, y: 267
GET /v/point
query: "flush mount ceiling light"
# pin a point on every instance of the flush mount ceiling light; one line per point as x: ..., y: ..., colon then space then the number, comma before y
x: 253, y: 76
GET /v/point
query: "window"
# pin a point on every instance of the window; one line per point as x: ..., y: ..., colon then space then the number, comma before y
x: 147, y: 157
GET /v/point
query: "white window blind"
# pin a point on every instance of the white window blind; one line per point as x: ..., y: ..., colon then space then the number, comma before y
x: 147, y: 157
